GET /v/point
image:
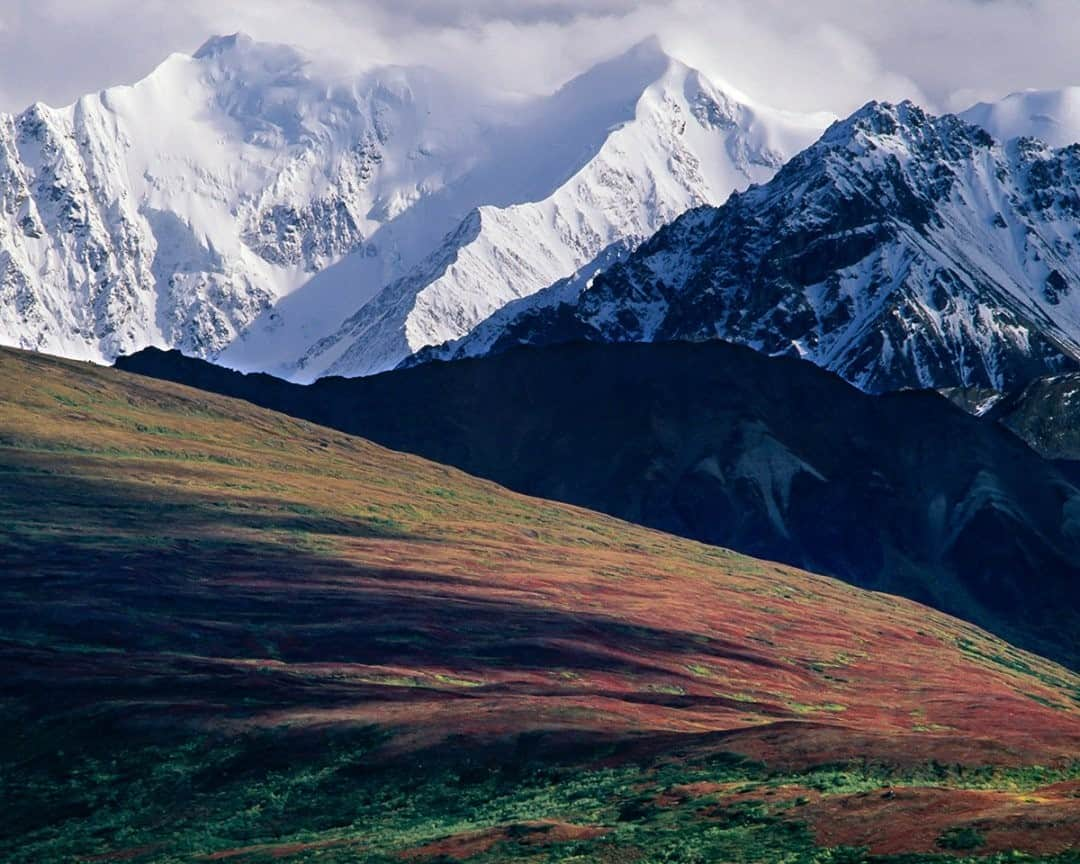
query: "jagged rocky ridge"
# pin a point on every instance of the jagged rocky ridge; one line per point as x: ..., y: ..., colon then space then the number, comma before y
x: 900, y: 250
x: 774, y: 457
x: 1044, y: 412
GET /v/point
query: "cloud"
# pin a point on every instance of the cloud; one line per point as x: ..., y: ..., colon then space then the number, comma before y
x: 826, y: 55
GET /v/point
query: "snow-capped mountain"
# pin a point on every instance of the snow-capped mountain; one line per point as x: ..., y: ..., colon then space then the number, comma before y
x: 176, y: 211
x: 1052, y: 116
x: 670, y: 140
x: 242, y: 203
x: 900, y: 250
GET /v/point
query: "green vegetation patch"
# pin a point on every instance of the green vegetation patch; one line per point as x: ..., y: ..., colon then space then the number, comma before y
x: 962, y: 838
x: 281, y: 795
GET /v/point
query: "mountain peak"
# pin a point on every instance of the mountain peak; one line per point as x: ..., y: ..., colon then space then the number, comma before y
x: 885, y: 118
x: 255, y: 158
x: 215, y: 46
x: 614, y: 83
x: 238, y: 65
x: 904, y: 126
x: 636, y: 67
x: 648, y: 48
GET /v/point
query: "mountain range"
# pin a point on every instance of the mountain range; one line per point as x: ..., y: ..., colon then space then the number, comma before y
x: 900, y: 250
x: 251, y: 206
x: 247, y: 205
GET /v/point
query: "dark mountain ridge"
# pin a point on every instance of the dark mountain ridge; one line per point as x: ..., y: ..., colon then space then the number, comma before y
x: 773, y: 457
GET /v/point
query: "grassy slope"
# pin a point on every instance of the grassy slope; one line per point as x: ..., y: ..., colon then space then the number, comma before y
x: 772, y: 457
x: 226, y: 632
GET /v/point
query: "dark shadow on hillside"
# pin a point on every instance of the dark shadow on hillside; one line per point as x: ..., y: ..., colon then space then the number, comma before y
x: 110, y: 599
x: 120, y: 506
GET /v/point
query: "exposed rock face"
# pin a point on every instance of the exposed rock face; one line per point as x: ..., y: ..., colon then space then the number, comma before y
x: 1045, y: 413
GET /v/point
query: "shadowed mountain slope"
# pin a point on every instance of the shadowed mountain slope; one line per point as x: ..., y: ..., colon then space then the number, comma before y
x: 1046, y: 414
x: 772, y: 457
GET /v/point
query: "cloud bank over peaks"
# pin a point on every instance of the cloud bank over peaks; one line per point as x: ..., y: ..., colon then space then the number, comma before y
x: 830, y: 55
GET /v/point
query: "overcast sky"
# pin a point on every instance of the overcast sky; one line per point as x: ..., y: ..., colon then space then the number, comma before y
x: 815, y: 55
